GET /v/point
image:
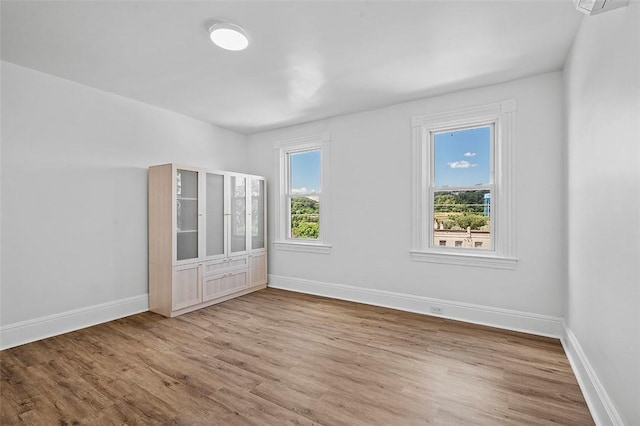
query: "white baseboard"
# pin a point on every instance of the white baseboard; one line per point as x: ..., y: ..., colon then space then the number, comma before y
x: 602, y: 408
x: 51, y: 325
x: 542, y: 325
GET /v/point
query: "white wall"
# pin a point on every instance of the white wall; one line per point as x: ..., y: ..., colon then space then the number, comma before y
x: 603, y: 125
x: 74, y: 189
x: 371, y: 201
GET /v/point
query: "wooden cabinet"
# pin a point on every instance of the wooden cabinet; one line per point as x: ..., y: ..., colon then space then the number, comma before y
x: 186, y: 286
x: 207, y: 230
x: 258, y: 268
x: 258, y: 234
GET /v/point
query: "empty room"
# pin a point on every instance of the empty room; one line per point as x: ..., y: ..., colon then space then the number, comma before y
x: 320, y: 212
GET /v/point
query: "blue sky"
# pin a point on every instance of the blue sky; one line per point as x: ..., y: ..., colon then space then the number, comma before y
x: 462, y: 157
x: 305, y: 171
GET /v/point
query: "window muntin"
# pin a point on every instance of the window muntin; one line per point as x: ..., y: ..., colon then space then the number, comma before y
x: 461, y: 185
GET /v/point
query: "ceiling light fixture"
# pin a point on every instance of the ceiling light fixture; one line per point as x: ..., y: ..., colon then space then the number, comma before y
x: 229, y: 36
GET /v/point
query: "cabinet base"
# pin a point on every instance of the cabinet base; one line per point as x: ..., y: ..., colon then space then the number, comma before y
x: 212, y: 301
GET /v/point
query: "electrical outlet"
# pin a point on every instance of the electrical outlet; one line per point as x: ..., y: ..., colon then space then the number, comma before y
x: 436, y: 310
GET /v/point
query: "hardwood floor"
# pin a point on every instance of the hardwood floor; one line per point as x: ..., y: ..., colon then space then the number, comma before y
x: 276, y: 357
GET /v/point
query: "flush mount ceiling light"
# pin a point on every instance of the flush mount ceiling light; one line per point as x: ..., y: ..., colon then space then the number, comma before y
x: 229, y: 36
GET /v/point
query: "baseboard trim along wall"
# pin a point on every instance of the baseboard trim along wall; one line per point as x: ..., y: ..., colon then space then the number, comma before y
x: 51, y: 325
x: 602, y: 408
x: 526, y: 322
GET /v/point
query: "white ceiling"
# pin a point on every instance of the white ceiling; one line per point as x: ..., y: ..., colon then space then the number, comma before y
x: 307, y: 59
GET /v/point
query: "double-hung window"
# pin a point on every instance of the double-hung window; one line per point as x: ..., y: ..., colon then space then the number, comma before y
x: 461, y: 187
x: 302, y: 214
x: 462, y: 184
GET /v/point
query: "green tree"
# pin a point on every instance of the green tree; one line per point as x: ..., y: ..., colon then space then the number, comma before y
x: 472, y: 200
x: 464, y: 220
x: 306, y: 230
x: 446, y: 202
x: 459, y: 202
x: 305, y: 215
x: 301, y: 205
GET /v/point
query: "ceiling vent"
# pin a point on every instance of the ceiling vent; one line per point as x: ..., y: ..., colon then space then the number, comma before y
x: 594, y: 7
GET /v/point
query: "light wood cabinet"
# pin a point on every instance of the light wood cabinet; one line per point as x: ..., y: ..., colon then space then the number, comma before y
x: 207, y: 237
x: 258, y: 268
x: 186, y: 286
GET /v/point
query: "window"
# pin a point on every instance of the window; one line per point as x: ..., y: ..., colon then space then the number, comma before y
x: 462, y: 180
x: 462, y: 185
x: 303, y: 209
x: 303, y: 194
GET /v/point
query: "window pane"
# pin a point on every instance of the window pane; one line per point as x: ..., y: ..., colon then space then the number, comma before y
x: 305, y: 217
x: 462, y: 157
x: 462, y: 219
x: 304, y: 187
x: 304, y: 172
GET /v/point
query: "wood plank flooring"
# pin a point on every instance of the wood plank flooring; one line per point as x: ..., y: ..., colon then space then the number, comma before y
x: 275, y: 357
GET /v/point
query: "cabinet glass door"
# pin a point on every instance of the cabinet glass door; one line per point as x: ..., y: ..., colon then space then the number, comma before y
x: 238, y: 226
x: 187, y: 214
x: 257, y: 213
x: 215, y: 214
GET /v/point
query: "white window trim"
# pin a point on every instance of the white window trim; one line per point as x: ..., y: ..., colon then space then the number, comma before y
x: 503, y: 254
x: 282, y: 149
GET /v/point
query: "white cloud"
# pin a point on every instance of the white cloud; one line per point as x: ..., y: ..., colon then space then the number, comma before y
x: 461, y: 164
x: 469, y: 154
x: 302, y: 191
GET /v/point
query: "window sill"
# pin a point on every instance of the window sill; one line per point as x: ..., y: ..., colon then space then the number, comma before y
x: 303, y: 247
x: 465, y: 259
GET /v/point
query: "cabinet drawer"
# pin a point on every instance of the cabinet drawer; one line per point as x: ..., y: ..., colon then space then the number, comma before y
x: 220, y: 285
x: 217, y: 266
